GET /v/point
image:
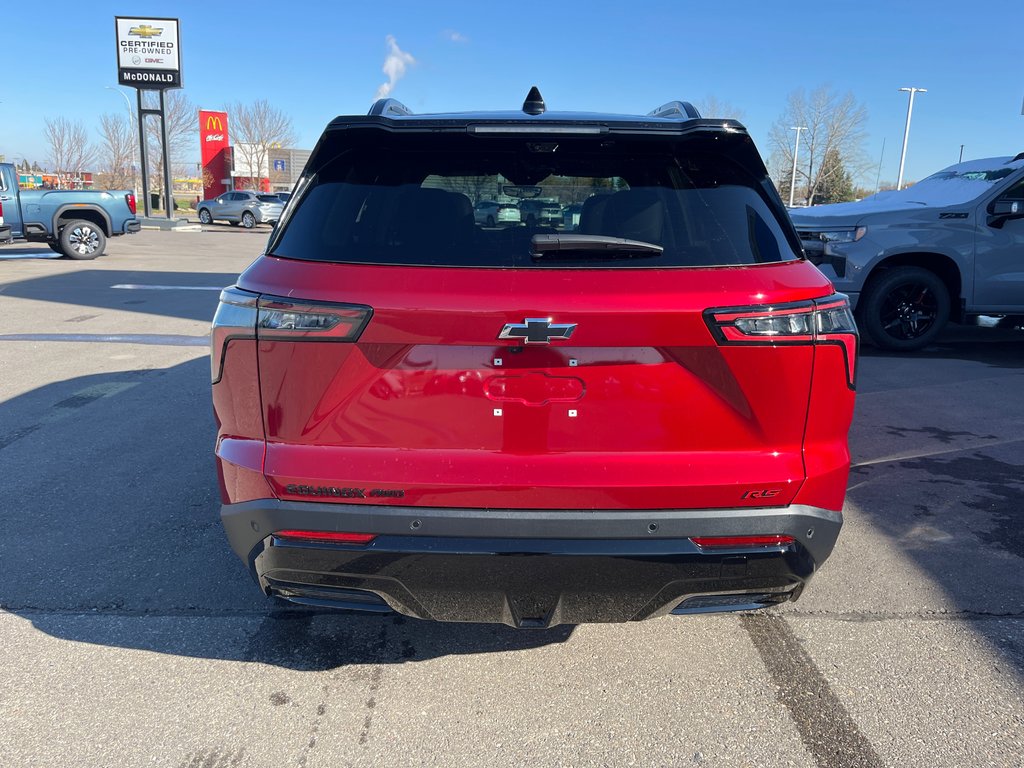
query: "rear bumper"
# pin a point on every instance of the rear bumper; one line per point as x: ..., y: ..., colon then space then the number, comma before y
x: 5, y: 234
x: 132, y: 226
x: 529, y: 567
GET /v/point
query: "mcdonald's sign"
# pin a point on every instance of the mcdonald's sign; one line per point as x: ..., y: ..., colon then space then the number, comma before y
x: 213, y: 143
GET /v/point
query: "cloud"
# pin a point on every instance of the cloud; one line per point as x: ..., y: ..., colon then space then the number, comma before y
x: 395, y: 64
x: 455, y: 37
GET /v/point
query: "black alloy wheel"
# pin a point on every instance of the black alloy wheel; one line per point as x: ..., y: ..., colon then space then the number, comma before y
x: 905, y: 308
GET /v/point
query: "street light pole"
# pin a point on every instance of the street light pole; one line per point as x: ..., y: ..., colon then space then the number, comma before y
x: 796, y: 151
x: 131, y: 123
x: 906, y: 131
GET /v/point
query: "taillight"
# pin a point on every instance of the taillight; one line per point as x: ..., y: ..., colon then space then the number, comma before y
x: 821, y: 321
x: 741, y: 542
x: 235, y: 319
x: 335, y: 537
x: 1, y: 213
x: 287, y: 319
x: 130, y: 199
x: 244, y: 315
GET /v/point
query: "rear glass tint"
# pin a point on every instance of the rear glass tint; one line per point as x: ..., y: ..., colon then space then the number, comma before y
x: 468, y: 201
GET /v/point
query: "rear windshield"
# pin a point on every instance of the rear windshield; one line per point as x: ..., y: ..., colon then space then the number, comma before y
x: 268, y: 198
x: 478, y: 202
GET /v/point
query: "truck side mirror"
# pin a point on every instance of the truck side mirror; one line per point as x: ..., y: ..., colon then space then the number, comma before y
x: 1002, y: 211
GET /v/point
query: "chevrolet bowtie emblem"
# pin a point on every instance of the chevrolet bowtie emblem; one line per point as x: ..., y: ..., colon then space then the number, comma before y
x: 144, y: 30
x: 537, y: 330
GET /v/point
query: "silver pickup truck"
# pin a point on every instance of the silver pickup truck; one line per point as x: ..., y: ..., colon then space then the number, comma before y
x: 74, y: 223
x: 948, y: 248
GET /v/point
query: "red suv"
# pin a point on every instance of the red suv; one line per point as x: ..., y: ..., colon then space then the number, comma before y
x: 640, y: 414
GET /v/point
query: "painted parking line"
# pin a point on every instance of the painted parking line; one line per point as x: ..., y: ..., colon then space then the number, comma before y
x: 143, y: 287
x: 157, y: 339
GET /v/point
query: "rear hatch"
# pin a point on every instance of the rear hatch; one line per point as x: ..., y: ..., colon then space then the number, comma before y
x: 410, y: 356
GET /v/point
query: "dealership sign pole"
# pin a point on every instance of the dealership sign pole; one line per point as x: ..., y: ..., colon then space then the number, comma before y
x: 149, y: 59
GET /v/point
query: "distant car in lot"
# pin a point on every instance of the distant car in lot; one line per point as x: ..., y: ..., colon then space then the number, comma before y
x: 489, y: 213
x: 422, y: 413
x: 947, y: 248
x: 245, y: 208
x: 540, y: 213
x: 75, y: 222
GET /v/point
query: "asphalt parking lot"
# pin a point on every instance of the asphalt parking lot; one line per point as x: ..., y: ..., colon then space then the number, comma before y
x: 131, y: 635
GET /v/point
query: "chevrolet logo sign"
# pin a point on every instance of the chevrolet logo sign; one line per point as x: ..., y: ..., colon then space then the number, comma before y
x: 144, y: 30
x: 537, y: 330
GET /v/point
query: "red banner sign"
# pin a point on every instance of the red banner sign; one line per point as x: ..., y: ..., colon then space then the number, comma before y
x: 213, y: 140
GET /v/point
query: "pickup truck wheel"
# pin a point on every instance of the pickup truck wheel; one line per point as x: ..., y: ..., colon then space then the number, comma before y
x: 82, y: 240
x: 248, y: 220
x: 55, y: 247
x: 905, y: 308
x: 204, y: 216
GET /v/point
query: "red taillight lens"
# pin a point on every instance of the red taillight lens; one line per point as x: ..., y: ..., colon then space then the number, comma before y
x: 822, y: 321
x: 244, y: 315
x: 336, y: 537
x: 130, y: 199
x: 1, y: 213
x: 287, y: 319
x: 235, y: 319
x: 740, y: 542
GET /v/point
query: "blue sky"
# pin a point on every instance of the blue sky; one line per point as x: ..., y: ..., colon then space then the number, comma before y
x: 317, y: 60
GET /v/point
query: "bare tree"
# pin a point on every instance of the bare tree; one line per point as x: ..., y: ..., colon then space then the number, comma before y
x: 70, y: 150
x: 835, y: 127
x: 117, y: 152
x: 182, y: 126
x: 712, y: 106
x: 256, y: 129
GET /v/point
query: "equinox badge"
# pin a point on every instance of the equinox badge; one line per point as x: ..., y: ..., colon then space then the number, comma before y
x: 537, y: 330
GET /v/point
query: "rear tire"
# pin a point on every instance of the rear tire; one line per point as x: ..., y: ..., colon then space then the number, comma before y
x: 55, y: 246
x: 905, y: 308
x: 82, y: 240
x: 490, y: 221
x: 248, y: 220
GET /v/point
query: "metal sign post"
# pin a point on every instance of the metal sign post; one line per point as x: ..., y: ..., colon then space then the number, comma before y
x: 149, y: 59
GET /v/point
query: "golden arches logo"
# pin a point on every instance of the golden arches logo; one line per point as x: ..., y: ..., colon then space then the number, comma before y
x: 213, y: 123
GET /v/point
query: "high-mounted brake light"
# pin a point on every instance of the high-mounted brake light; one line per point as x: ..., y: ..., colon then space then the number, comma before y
x: 741, y: 542
x: 130, y: 199
x: 821, y: 321
x: 336, y: 537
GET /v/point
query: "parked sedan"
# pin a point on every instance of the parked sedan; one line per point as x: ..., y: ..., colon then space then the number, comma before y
x: 245, y: 208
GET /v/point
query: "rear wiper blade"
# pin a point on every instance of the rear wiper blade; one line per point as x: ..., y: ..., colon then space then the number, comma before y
x: 583, y: 246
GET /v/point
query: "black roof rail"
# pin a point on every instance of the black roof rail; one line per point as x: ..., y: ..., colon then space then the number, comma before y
x: 681, y: 109
x: 388, y: 107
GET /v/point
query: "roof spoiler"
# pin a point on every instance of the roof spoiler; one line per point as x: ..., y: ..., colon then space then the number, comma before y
x: 1018, y: 157
x: 682, y: 110
x: 389, y: 108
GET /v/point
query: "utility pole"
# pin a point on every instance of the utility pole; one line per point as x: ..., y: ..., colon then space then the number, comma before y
x: 796, y: 151
x: 906, y: 131
x: 961, y: 154
x: 878, y: 176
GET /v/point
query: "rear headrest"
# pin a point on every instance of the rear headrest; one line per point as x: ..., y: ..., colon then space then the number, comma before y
x: 433, y: 218
x: 592, y: 214
x: 636, y: 214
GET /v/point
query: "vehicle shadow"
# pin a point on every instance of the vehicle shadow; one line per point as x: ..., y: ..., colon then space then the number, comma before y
x: 188, y: 295
x: 112, y: 536
x: 27, y: 251
x: 938, y: 484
